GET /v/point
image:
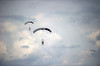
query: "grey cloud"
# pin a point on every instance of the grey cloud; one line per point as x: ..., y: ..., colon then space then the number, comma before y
x: 71, y: 46
x: 74, y: 46
x: 15, y: 63
x: 14, y: 17
x: 98, y: 37
x: 24, y: 46
x: 21, y: 38
x: 82, y: 14
x: 93, y: 42
x: 35, y: 59
x: 21, y: 62
x: 93, y: 60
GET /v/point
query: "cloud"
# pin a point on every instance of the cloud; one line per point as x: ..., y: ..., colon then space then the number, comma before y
x: 74, y: 46
x: 3, y: 52
x: 63, y: 46
x: 94, y: 36
x: 26, y: 43
x: 74, y: 25
x: 15, y: 50
x: 88, y: 59
x: 8, y: 27
x: 19, y: 52
x: 3, y: 49
x: 98, y: 37
x: 12, y: 17
x: 50, y: 39
x: 98, y: 43
x: 25, y: 46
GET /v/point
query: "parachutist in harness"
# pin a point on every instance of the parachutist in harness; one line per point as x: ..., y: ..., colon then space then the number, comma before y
x: 30, y: 23
x: 42, y: 41
x: 29, y: 28
x: 92, y: 51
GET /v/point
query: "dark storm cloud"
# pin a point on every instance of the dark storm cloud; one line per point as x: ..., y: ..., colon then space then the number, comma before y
x: 14, y: 17
x: 98, y: 37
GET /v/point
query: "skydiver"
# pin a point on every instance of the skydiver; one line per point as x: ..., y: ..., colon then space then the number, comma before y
x: 42, y: 41
x: 29, y: 28
x: 92, y: 51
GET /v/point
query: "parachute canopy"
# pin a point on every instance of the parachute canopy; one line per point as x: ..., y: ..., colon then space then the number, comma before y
x: 29, y: 22
x: 42, y: 29
x: 92, y: 50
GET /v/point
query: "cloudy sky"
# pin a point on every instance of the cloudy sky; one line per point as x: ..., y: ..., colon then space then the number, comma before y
x: 75, y: 26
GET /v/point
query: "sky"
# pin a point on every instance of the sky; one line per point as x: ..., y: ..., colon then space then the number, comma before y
x: 75, y: 26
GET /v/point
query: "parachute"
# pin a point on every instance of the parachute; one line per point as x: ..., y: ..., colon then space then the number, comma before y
x: 42, y: 40
x: 29, y: 22
x: 92, y: 51
x: 42, y: 29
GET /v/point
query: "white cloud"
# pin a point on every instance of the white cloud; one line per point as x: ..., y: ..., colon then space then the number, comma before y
x: 93, y: 35
x: 98, y: 43
x: 3, y: 51
x: 24, y: 34
x: 42, y: 19
x: 21, y: 38
x: 59, y: 15
x: 20, y: 52
x: 8, y: 27
x: 50, y: 39
x: 38, y: 16
x: 26, y: 38
x: 3, y: 48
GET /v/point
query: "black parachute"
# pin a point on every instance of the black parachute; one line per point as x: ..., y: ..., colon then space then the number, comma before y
x: 92, y: 51
x: 42, y: 29
x: 42, y: 40
x: 29, y: 22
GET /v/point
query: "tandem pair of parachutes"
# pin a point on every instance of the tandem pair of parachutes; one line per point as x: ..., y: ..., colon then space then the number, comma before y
x: 47, y: 29
x: 38, y: 28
